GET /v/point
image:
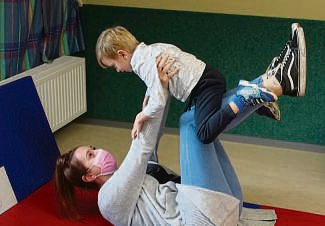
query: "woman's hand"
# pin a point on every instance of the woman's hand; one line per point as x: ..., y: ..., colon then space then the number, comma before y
x: 166, y: 69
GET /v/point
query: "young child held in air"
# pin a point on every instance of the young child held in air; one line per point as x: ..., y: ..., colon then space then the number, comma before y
x: 202, y: 84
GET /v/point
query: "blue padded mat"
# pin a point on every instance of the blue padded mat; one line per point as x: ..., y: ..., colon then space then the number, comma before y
x: 28, y: 150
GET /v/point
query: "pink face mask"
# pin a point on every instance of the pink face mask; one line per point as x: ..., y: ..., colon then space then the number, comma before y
x: 105, y: 161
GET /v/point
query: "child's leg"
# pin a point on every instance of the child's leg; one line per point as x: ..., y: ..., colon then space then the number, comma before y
x: 212, y: 122
x: 211, y: 116
x: 241, y: 115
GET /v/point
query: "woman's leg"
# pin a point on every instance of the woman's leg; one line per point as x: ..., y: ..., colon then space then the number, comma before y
x: 229, y: 171
x: 205, y: 165
x: 193, y: 160
x: 199, y: 162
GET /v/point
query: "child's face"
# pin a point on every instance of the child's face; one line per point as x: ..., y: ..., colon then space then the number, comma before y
x: 122, y: 63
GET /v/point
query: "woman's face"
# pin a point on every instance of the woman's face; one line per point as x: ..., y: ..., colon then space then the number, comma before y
x: 85, y: 155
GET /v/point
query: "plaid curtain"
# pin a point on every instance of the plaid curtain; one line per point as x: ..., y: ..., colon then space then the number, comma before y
x: 36, y: 31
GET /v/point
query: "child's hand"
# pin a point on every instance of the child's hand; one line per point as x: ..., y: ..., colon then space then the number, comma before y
x: 137, y: 127
x: 138, y: 124
x: 166, y: 69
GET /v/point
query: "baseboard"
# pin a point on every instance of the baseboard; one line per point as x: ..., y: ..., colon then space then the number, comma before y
x: 224, y: 137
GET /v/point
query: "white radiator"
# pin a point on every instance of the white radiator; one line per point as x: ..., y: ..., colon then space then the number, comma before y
x: 61, y: 86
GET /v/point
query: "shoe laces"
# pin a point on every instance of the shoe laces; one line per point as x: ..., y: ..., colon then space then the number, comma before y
x: 286, y: 57
x: 283, y: 52
x: 273, y: 71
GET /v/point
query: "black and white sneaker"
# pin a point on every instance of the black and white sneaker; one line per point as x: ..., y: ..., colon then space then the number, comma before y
x: 290, y: 67
x: 277, y: 60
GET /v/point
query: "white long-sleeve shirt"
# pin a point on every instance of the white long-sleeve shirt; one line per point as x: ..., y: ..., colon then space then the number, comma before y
x: 143, y: 63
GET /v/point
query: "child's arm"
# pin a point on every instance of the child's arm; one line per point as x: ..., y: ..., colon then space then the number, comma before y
x: 145, y: 99
x: 141, y: 117
x: 165, y: 65
x: 166, y: 71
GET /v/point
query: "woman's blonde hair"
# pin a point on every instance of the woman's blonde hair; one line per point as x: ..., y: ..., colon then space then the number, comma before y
x: 113, y: 39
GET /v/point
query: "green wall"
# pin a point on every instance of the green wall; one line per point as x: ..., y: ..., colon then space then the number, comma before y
x: 239, y: 46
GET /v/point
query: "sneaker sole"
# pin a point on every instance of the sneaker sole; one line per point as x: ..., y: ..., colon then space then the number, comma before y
x: 294, y: 27
x: 302, y: 62
x: 270, y: 110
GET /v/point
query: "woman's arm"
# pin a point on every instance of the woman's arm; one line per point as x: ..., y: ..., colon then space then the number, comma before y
x: 118, y: 197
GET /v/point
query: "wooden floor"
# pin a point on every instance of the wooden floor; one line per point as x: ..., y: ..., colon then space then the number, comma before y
x: 269, y: 175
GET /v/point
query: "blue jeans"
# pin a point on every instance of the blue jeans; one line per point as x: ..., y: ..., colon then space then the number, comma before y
x: 207, y: 165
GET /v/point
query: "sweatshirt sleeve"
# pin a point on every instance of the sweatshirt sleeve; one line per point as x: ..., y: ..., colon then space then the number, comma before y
x: 118, y: 197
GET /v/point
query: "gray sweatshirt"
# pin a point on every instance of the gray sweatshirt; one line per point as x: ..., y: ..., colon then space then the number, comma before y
x: 131, y: 197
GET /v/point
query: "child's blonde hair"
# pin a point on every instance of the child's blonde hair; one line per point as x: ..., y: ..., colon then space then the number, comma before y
x: 113, y: 39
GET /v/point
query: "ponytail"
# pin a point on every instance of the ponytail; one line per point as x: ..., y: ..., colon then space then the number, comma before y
x: 68, y: 175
